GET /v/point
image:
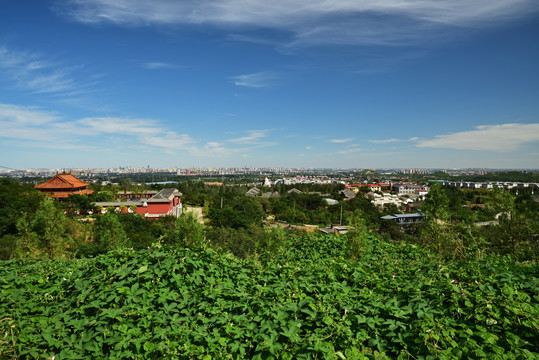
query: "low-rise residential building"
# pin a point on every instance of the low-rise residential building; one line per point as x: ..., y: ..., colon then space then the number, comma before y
x: 270, y: 194
x: 294, y: 191
x: 330, y: 201
x: 347, y: 194
x: 406, y: 188
x: 253, y: 192
x: 379, y: 200
x: 374, y: 187
x: 334, y: 229
x: 405, y: 219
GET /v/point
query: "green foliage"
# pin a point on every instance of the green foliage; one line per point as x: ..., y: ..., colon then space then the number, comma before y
x: 78, y: 204
x: 141, y: 232
x: 103, y: 196
x: 43, y: 234
x: 187, y: 231
x: 16, y: 201
x: 109, y: 233
x: 437, y: 202
x: 239, y: 213
x: 309, y: 302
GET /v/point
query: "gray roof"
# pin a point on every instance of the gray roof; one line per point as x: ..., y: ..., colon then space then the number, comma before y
x: 253, y: 192
x: 149, y: 192
x: 294, y: 191
x: 347, y: 193
x: 165, y: 195
x: 402, y: 216
x: 270, y: 194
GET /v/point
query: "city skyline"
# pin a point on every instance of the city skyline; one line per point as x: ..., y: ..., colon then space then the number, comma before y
x: 232, y: 83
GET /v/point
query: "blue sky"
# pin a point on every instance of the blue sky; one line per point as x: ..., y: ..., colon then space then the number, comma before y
x: 304, y: 83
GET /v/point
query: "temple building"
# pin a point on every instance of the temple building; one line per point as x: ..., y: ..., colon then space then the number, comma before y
x: 165, y: 202
x: 62, y: 185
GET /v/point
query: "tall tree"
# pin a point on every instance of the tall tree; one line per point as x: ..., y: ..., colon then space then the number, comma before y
x: 109, y: 233
x: 45, y: 234
x: 436, y: 203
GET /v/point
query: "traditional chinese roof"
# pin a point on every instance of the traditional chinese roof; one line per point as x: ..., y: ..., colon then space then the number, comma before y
x: 65, y: 194
x: 62, y: 182
x: 166, y: 195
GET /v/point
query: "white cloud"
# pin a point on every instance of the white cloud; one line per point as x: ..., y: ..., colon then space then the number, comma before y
x: 308, y: 148
x: 254, y: 137
x: 113, y: 125
x: 30, y: 126
x: 498, y: 138
x: 169, y: 140
x: 347, y: 151
x: 26, y: 123
x: 12, y: 114
x: 340, y: 141
x: 384, y: 141
x: 309, y: 22
x: 46, y: 129
x: 34, y: 73
x: 254, y: 80
x: 158, y: 65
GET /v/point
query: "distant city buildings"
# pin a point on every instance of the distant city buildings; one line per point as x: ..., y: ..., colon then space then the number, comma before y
x: 488, y: 185
x: 217, y: 171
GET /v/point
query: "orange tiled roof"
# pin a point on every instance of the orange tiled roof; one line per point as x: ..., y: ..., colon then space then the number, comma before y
x: 65, y: 194
x: 62, y: 182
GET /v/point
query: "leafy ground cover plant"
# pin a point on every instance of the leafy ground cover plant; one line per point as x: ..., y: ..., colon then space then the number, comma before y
x: 307, y: 302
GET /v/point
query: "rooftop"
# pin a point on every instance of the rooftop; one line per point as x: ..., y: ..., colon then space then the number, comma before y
x: 62, y: 182
x: 165, y: 195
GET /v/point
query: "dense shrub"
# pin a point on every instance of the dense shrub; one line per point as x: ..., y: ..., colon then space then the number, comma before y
x: 396, y: 301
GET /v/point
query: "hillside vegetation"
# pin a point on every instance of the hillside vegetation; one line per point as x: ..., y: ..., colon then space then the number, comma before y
x: 309, y: 300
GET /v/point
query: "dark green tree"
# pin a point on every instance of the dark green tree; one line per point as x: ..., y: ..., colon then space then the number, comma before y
x: 109, y: 233
x: 436, y: 203
x: 187, y: 231
x: 47, y: 233
x: 242, y: 212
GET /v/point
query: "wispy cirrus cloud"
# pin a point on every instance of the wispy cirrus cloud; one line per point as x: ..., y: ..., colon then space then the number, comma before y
x: 48, y: 129
x: 253, y: 137
x: 255, y: 80
x: 497, y: 138
x: 392, y: 140
x: 38, y: 128
x: 351, y: 148
x: 347, y: 151
x: 386, y: 141
x: 341, y: 141
x: 159, y: 65
x: 311, y: 22
x: 37, y: 74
